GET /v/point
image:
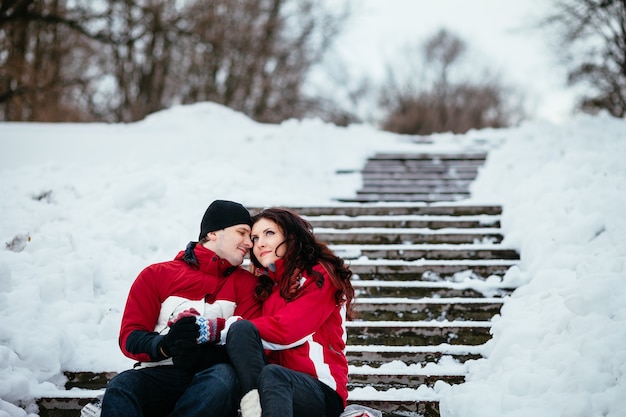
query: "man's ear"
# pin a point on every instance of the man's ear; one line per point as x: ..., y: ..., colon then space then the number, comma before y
x: 212, y: 236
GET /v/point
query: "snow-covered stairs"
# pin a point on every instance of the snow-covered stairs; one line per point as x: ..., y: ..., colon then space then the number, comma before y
x: 424, y: 304
x: 427, y: 272
x: 426, y: 177
x: 427, y: 279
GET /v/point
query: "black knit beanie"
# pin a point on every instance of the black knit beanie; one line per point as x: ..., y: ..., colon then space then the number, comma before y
x: 222, y: 214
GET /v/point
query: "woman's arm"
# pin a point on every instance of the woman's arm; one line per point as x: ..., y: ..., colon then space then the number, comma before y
x: 297, y: 320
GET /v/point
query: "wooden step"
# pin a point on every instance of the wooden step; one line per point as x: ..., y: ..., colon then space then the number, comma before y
x: 401, y: 408
x: 432, y: 159
x: 413, y: 189
x: 70, y: 407
x: 406, y: 222
x: 418, y: 290
x: 398, y: 309
x: 450, y: 171
x: 385, y: 382
x: 66, y: 404
x: 394, y: 182
x: 87, y: 380
x: 418, y: 333
x: 426, y: 160
x: 440, y: 156
x: 427, y: 270
x: 432, y: 252
x: 69, y: 403
x: 399, y: 197
x: 382, y: 208
x: 378, y: 355
x: 417, y: 164
x: 373, y: 236
x: 440, y: 177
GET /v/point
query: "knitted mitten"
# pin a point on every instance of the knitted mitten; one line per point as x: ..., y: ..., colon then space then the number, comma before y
x: 210, y: 329
x: 251, y: 404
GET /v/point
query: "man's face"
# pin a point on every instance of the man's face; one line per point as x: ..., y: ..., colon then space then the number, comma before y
x: 233, y: 243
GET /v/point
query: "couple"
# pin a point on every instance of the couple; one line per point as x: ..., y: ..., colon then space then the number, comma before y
x: 211, y: 338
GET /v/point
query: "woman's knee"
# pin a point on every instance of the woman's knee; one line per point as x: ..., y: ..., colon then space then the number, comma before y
x: 240, y: 327
x: 272, y: 374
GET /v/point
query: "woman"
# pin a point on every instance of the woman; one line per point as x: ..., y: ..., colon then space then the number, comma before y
x: 291, y: 361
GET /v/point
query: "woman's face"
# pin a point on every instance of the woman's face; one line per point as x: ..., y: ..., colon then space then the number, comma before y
x: 266, y: 240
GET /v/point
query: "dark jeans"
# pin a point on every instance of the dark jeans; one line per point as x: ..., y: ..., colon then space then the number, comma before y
x: 283, y: 392
x: 170, y: 391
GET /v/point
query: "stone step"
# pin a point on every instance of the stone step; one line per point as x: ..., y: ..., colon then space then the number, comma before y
x: 476, y: 289
x: 432, y: 252
x: 379, y: 355
x: 418, y: 333
x: 397, y: 309
x: 406, y: 221
x: 378, y: 236
x: 427, y: 270
x: 382, y: 208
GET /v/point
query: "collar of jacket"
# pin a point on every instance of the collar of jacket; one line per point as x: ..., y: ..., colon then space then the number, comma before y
x: 276, y: 271
x: 209, y: 262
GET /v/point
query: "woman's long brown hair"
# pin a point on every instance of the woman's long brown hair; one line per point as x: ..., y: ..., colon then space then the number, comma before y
x: 302, y: 252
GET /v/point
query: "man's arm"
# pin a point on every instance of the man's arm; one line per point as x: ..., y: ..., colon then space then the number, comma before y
x: 138, y: 340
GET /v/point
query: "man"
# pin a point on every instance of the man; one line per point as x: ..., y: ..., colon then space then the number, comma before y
x: 174, y: 314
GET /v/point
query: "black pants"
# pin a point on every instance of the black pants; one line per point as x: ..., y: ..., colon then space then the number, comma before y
x: 283, y: 392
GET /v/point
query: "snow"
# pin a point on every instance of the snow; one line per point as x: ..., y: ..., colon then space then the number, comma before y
x: 85, y: 207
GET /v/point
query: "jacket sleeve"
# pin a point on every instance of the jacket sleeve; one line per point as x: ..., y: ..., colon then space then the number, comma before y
x: 138, y: 340
x: 244, y: 287
x: 300, y: 318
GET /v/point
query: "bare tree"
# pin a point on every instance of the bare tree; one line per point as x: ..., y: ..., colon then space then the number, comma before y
x: 254, y: 55
x: 431, y: 96
x: 140, y: 58
x: 42, y: 67
x: 592, y: 40
x: 120, y: 60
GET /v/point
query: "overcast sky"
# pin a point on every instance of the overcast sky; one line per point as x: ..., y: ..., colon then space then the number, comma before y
x: 498, y: 34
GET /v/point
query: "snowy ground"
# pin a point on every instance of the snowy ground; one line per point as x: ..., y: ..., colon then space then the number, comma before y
x: 85, y: 207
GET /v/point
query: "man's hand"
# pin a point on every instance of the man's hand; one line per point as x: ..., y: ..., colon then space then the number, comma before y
x: 183, y: 335
x: 201, y: 357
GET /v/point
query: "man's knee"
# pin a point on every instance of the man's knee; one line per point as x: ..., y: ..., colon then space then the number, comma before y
x: 124, y: 381
x: 221, y: 376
